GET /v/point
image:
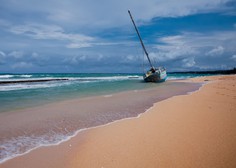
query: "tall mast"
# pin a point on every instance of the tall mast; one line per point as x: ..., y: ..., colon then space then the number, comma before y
x: 144, y: 49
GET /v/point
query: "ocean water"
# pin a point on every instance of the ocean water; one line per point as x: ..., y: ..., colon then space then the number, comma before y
x: 17, y: 139
x: 20, y: 95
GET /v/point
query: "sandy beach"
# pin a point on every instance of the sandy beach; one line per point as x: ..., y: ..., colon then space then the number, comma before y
x: 194, y: 130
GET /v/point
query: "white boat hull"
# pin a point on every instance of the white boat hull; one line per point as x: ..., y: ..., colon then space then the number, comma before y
x: 158, y: 76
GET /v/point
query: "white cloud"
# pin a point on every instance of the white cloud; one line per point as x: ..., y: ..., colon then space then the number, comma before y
x: 52, y: 32
x: 169, y: 53
x: 131, y: 57
x: 234, y: 57
x: 174, y: 47
x: 75, y: 60
x: 111, y: 13
x: 35, y: 55
x: 83, y: 59
x: 188, y: 62
x: 216, y: 51
x: 2, y: 57
x: 16, y: 54
x: 78, y: 45
x: 190, y: 43
x: 188, y: 50
x: 22, y: 65
x: 100, y: 57
x: 2, y: 54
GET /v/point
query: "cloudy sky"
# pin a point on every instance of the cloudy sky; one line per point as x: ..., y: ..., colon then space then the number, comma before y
x: 98, y: 36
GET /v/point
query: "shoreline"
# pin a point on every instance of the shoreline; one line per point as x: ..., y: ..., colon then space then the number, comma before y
x: 66, y: 118
x: 96, y: 127
x: 84, y: 139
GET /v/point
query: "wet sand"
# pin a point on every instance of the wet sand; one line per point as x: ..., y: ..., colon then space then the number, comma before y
x: 196, y: 130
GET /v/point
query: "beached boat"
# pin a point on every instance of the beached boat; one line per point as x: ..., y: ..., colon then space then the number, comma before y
x: 154, y: 74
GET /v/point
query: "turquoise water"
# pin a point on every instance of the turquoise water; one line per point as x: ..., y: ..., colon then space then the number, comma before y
x: 21, y: 95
